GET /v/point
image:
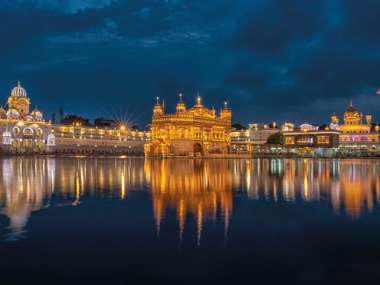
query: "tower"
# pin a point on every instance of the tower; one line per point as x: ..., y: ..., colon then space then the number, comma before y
x: 180, y: 107
x: 158, y: 109
x: 225, y: 113
x: 368, y: 118
x: 334, y: 119
x: 18, y: 100
x: 352, y: 116
x: 198, y: 101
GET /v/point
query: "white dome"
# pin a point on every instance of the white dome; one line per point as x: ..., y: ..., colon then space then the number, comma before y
x: 13, y: 114
x: 18, y: 91
x: 37, y: 114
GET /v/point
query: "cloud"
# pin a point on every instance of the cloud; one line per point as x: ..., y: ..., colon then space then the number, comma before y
x: 272, y: 59
x: 67, y: 6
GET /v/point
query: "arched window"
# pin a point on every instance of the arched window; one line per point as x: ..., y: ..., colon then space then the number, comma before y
x: 16, y: 130
x: 28, y: 131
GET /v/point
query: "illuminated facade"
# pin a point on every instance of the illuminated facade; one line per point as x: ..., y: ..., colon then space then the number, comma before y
x: 24, y: 131
x: 309, y: 136
x: 92, y: 140
x: 247, y: 140
x: 189, y: 132
x: 201, y: 189
x: 357, y: 131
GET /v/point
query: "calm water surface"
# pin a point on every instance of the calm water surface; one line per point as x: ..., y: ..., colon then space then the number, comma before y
x: 136, y: 221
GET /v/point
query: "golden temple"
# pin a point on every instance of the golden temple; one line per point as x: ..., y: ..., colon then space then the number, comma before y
x: 196, y: 131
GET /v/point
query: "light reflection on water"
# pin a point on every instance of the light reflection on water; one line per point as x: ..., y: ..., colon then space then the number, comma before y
x: 201, y: 190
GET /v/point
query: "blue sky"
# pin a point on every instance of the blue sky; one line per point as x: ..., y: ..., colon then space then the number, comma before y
x: 273, y: 60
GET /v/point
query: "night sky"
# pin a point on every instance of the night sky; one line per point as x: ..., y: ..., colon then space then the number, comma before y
x: 273, y: 60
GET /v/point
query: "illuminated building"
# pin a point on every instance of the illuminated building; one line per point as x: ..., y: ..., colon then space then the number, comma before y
x: 357, y: 131
x: 308, y: 137
x: 22, y: 131
x: 245, y: 140
x: 91, y: 140
x: 25, y: 131
x: 189, y: 132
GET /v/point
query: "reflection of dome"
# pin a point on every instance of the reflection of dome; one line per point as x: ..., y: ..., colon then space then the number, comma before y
x: 13, y: 114
x: 18, y: 91
x: 37, y: 114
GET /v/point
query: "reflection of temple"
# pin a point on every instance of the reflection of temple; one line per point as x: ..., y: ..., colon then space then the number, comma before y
x: 194, y: 131
x: 201, y: 188
x: 31, y: 184
x: 349, y: 185
x: 25, y: 186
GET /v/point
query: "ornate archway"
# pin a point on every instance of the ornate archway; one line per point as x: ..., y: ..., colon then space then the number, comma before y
x: 198, y: 150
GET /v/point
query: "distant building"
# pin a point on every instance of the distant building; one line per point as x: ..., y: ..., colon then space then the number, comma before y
x: 309, y: 136
x: 189, y: 132
x: 245, y: 140
x: 357, y: 131
x: 23, y: 131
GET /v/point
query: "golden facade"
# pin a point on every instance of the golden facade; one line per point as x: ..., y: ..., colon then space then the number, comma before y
x: 199, y: 188
x: 23, y: 132
x: 357, y: 129
x: 91, y: 140
x: 189, y: 132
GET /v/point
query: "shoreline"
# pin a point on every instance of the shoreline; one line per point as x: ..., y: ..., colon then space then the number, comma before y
x: 230, y: 156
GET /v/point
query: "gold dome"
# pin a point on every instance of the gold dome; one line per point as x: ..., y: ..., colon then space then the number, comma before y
x: 352, y: 116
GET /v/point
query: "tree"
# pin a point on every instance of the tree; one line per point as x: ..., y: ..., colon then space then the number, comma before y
x: 102, y: 122
x: 238, y: 127
x: 276, y: 138
x: 74, y: 119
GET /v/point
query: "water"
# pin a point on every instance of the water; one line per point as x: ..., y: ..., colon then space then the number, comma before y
x: 136, y: 221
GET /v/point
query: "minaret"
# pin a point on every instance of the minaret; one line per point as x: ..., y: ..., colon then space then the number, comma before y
x: 225, y: 113
x: 181, y: 107
x: 334, y: 119
x: 198, y: 100
x: 158, y: 109
x: 368, y: 118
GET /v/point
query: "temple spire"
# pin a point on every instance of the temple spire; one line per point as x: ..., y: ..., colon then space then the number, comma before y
x: 198, y: 100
